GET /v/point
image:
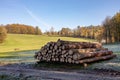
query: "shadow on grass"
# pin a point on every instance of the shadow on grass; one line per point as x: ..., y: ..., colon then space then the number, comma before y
x: 26, y: 56
x: 20, y: 51
x: 111, y: 64
x: 8, y: 56
x: 58, y: 65
x: 115, y: 43
x: 8, y: 77
x: 107, y: 64
x: 14, y: 54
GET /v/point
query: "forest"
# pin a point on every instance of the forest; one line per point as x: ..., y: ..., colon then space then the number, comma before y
x: 109, y: 30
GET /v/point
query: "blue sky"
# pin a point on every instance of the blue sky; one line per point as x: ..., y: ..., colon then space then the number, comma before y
x: 57, y: 13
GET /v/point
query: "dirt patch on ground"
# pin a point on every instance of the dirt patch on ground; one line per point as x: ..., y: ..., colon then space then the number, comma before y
x: 30, y: 72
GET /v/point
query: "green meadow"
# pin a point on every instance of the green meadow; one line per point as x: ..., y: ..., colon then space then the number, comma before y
x: 20, y: 42
x: 21, y: 47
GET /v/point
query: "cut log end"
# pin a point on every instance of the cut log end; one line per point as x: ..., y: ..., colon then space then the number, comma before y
x: 85, y: 65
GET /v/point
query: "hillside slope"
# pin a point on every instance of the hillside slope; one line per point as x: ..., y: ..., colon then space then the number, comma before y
x: 30, y: 42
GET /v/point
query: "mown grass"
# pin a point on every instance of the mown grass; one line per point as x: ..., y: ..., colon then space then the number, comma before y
x: 21, y: 42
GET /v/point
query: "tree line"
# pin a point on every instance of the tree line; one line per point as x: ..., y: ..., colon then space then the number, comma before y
x: 22, y: 29
x: 112, y: 28
x: 109, y: 30
x: 92, y: 32
x: 17, y: 29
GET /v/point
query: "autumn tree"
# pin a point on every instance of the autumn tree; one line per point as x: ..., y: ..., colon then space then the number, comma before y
x: 107, y: 29
x: 3, y: 34
x: 116, y: 26
x: 51, y: 31
x: 38, y: 31
x: 77, y: 32
x: 66, y: 32
x: 112, y: 28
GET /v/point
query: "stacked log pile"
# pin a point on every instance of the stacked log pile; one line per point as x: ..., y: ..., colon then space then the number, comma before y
x: 73, y: 52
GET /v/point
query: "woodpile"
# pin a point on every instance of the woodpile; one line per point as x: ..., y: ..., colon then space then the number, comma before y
x: 73, y: 52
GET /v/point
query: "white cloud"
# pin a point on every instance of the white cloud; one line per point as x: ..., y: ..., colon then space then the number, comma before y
x: 36, y: 18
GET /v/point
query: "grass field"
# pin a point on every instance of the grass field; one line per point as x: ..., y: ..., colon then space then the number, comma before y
x: 30, y: 42
x: 26, y: 46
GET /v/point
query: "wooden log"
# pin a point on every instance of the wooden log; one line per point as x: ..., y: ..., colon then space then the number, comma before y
x: 65, y: 55
x: 36, y: 54
x: 53, y: 59
x: 62, y: 56
x: 60, y: 50
x: 103, y: 53
x: 62, y: 59
x: 87, y: 50
x: 53, y: 50
x: 43, y: 53
x: 48, y: 44
x: 55, y: 47
x: 85, y: 65
x: 75, y: 46
x: 69, y: 60
x: 48, y: 59
x: 63, y: 52
x: 50, y: 51
x: 70, y: 56
x: 63, y: 47
x: 71, y: 46
x: 94, y: 59
x: 53, y: 43
x: 76, y: 62
x: 66, y: 60
x: 61, y: 42
x: 77, y: 56
x: 91, y: 54
x: 78, y: 45
x: 51, y: 47
x: 97, y: 45
x: 73, y: 61
x: 39, y: 58
x: 39, y: 54
x: 71, y: 51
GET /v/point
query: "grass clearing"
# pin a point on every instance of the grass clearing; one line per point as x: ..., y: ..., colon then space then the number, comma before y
x: 19, y: 42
